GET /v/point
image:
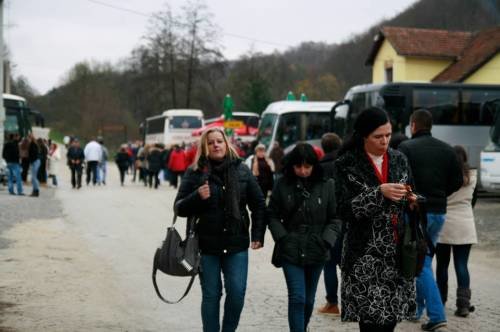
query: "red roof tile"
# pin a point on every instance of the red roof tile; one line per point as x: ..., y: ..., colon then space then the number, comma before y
x: 483, y: 46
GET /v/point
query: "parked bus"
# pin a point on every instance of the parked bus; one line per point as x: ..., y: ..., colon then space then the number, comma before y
x: 173, y: 126
x: 458, y: 110
x: 288, y: 122
x: 247, y: 132
x: 490, y: 156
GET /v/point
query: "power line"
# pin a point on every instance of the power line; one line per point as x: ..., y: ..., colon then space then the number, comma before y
x: 237, y: 36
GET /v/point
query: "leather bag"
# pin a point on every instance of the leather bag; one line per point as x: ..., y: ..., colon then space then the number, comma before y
x: 178, y: 257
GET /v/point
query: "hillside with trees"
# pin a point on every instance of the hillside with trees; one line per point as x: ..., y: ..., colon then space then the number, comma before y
x: 180, y: 65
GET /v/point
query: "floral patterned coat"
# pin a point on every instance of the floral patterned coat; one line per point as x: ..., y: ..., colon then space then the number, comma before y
x: 372, y: 289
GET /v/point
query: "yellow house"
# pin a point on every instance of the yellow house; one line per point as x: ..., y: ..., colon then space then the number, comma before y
x: 408, y: 54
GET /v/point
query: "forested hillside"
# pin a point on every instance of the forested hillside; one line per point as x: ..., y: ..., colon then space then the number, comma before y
x: 181, y: 65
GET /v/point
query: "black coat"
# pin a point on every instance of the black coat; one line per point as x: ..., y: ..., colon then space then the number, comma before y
x: 303, y: 222
x: 34, y: 152
x: 373, y: 288
x: 214, y: 238
x: 11, y: 152
x: 75, y: 156
x: 435, y: 169
x: 154, y: 160
x: 327, y: 162
x: 122, y: 160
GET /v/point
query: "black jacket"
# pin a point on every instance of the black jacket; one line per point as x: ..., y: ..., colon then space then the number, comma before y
x: 11, y: 152
x: 303, y: 221
x: 214, y: 238
x: 75, y: 156
x: 435, y: 169
x: 122, y: 160
x: 34, y: 152
x: 327, y: 162
x: 154, y: 160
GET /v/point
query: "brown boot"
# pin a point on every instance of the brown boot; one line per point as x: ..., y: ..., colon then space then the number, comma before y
x: 328, y: 308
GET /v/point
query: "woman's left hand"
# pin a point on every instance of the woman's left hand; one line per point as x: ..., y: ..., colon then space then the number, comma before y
x: 256, y: 245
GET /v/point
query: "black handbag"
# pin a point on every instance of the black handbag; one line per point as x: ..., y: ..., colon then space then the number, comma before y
x: 415, y: 244
x: 178, y: 257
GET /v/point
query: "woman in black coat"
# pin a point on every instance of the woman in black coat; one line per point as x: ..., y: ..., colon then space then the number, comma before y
x: 302, y: 220
x: 217, y: 189
x: 371, y: 191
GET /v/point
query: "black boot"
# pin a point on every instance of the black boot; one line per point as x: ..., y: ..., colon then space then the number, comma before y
x: 463, y: 302
x: 35, y: 193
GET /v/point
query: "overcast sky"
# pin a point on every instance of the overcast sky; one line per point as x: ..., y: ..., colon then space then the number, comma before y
x: 46, y: 38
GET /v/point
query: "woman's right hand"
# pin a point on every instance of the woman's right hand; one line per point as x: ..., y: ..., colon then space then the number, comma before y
x: 393, y: 191
x: 204, y: 191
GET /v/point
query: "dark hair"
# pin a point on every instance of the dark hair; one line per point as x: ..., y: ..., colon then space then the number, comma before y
x: 302, y: 153
x: 422, y: 119
x: 397, y: 139
x: 365, y: 124
x: 462, y: 160
x: 330, y: 142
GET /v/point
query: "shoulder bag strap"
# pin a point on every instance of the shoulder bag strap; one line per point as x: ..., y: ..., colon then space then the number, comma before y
x: 158, y: 291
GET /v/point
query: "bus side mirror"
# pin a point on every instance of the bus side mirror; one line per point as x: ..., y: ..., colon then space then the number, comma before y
x: 340, y: 109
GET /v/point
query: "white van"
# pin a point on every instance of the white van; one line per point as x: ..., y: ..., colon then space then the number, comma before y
x: 288, y: 122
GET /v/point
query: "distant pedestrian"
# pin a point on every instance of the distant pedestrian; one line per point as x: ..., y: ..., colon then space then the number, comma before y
x: 370, y: 185
x: 103, y: 163
x: 177, y: 164
x: 219, y: 190
x: 154, y: 165
x: 75, y: 158
x: 34, y: 159
x: 11, y: 155
x: 122, y: 160
x: 263, y: 169
x: 43, y: 155
x: 458, y: 235
x: 331, y: 143
x: 24, y: 147
x: 304, y: 224
x: 437, y: 175
x: 277, y: 155
x: 93, y: 155
x: 54, y: 157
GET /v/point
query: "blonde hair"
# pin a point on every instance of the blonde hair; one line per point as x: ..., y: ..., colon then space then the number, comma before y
x: 202, y: 151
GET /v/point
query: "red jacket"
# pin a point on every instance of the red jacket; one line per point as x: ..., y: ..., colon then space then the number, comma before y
x: 190, y: 155
x: 177, y: 161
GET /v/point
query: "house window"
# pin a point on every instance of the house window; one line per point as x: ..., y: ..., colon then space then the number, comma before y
x: 388, y: 74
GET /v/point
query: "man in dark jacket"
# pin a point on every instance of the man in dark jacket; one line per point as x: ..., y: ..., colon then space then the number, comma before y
x: 437, y: 175
x: 11, y: 156
x: 75, y: 158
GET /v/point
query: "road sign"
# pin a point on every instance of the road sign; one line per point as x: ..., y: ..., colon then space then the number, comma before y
x: 233, y: 124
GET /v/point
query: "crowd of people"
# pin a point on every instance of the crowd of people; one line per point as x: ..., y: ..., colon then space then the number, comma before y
x: 346, y: 207
x: 342, y: 206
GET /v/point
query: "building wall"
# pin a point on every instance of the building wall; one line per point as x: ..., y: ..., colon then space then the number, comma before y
x: 405, y: 68
x: 489, y: 73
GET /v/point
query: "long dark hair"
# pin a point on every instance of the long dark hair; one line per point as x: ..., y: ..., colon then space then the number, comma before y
x: 462, y: 160
x: 302, y: 153
x: 366, y: 123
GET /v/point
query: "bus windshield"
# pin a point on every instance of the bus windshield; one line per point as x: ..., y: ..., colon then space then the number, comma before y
x: 491, y: 110
x: 184, y: 122
x: 302, y: 126
x: 266, y: 128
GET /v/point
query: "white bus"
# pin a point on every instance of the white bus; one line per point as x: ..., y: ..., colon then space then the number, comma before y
x: 490, y: 156
x: 173, y: 126
x: 463, y: 114
x: 288, y: 122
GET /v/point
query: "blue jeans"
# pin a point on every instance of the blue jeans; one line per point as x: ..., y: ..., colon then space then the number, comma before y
x: 301, y: 282
x: 34, y: 175
x: 330, y: 273
x: 234, y: 268
x: 428, y: 296
x: 460, y: 261
x: 14, y: 173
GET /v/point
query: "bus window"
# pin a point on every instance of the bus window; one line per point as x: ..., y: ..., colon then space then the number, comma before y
x: 472, y: 102
x: 156, y: 126
x: 266, y: 128
x: 288, y: 129
x: 358, y: 104
x: 184, y: 122
x: 316, y: 125
x: 11, y: 125
x: 442, y: 103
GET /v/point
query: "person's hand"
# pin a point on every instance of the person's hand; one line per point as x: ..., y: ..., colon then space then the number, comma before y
x: 393, y: 191
x: 256, y: 245
x: 204, y: 191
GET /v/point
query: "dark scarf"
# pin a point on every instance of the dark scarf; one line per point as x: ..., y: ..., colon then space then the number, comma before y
x: 226, y: 173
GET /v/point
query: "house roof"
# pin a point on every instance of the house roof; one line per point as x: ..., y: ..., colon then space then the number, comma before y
x: 421, y: 42
x: 483, y: 46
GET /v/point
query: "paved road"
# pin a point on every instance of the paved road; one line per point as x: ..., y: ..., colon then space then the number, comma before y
x: 80, y: 260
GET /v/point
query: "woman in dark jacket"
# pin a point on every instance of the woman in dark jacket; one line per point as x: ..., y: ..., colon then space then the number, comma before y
x: 302, y: 220
x: 154, y: 165
x: 370, y: 190
x: 122, y: 160
x: 217, y: 189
